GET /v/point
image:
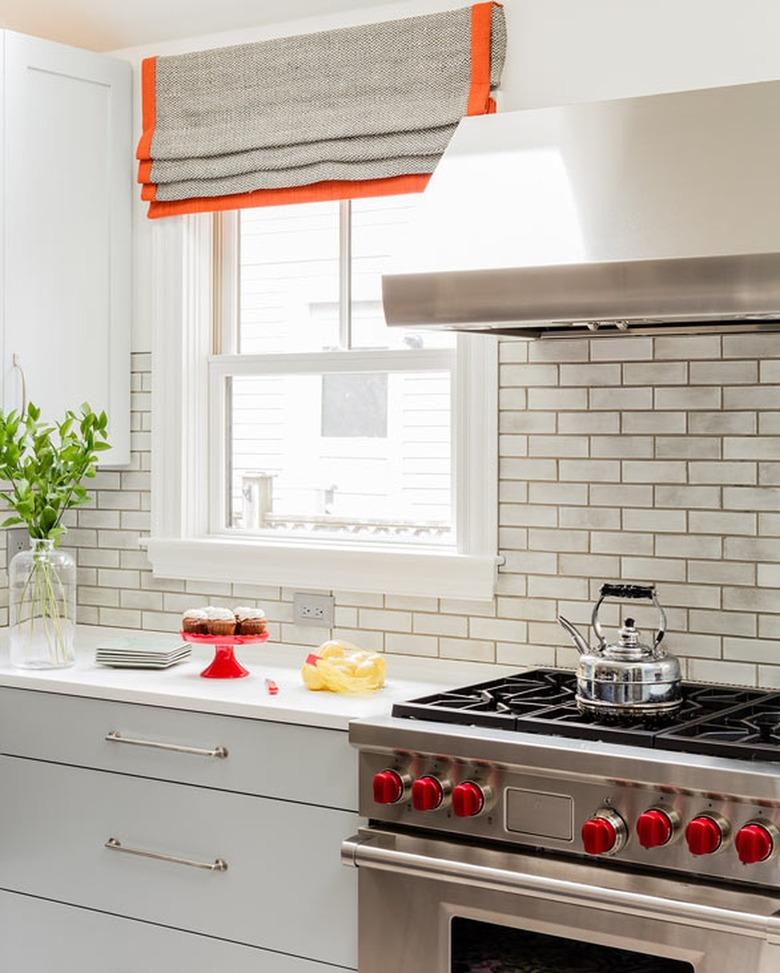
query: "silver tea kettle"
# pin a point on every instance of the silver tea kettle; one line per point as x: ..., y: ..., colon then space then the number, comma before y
x: 627, y: 679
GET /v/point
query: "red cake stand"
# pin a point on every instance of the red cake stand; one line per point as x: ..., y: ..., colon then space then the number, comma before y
x: 224, y: 665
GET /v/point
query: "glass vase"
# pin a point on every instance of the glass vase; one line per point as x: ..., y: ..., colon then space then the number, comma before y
x: 43, y: 607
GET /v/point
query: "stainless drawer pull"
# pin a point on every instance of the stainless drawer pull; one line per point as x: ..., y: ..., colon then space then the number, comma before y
x: 114, y: 736
x: 219, y: 865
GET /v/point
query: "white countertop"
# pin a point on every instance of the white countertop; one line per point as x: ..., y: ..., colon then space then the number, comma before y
x: 181, y: 687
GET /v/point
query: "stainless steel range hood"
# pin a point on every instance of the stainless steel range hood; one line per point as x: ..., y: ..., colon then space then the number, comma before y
x: 626, y: 215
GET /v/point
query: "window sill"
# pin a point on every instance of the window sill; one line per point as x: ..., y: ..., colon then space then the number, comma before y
x: 374, y: 570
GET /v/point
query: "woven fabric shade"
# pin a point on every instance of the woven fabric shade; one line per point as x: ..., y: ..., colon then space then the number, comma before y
x: 361, y: 111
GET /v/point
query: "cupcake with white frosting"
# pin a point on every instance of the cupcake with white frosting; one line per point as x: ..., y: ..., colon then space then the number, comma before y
x: 251, y: 621
x: 195, y: 621
x: 221, y: 621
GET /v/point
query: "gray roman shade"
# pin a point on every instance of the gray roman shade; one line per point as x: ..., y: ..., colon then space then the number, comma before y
x: 359, y: 111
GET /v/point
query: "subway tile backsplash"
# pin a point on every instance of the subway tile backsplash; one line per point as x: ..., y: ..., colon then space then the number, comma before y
x: 642, y: 458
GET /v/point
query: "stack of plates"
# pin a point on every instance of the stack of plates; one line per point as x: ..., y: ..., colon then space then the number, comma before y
x: 140, y: 655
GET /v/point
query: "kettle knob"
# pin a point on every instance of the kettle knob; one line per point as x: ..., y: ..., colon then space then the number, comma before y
x: 629, y: 637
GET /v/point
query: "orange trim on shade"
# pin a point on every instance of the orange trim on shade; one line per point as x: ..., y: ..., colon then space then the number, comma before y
x: 479, y: 102
x: 317, y: 192
x: 481, y: 29
x: 145, y: 171
x: 148, y: 107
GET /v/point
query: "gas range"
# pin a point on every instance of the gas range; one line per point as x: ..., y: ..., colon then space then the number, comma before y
x: 513, y: 761
x: 720, y: 720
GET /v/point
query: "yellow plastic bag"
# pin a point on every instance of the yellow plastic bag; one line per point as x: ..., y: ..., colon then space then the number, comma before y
x: 341, y: 667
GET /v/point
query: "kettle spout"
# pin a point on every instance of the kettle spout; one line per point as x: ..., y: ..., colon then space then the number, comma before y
x: 576, y: 637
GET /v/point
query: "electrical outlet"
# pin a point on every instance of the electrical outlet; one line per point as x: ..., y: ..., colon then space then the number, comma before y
x: 17, y: 539
x: 313, y: 609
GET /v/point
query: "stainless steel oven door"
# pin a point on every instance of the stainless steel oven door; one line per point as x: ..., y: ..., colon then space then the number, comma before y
x: 433, y: 906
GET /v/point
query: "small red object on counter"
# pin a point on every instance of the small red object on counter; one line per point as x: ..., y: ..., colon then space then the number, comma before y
x: 271, y: 687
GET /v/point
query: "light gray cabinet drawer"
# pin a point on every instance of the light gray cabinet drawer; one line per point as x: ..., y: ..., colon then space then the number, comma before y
x: 295, y: 763
x: 284, y: 888
x: 37, y: 936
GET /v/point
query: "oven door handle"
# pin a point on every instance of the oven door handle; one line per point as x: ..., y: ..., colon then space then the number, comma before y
x: 361, y: 852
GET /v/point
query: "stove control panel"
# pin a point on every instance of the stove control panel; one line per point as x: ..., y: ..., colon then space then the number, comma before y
x: 662, y: 827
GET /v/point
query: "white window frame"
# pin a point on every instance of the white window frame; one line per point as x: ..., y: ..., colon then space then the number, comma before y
x: 187, y: 540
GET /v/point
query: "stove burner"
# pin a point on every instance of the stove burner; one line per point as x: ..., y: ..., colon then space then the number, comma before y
x: 752, y: 730
x: 766, y: 724
x: 501, y: 701
x: 717, y: 720
x: 521, y: 696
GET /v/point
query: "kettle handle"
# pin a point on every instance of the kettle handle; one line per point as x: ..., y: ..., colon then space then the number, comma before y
x: 628, y: 591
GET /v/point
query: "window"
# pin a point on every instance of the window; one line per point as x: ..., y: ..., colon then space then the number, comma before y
x: 323, y: 438
x: 335, y: 425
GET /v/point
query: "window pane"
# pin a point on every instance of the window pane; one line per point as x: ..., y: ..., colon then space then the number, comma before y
x: 379, y: 226
x: 289, y: 278
x: 354, y: 405
x: 366, y: 455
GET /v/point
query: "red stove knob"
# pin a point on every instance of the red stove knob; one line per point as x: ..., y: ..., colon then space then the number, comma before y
x: 388, y: 787
x: 704, y: 835
x: 468, y: 799
x: 654, y: 828
x: 754, y: 843
x: 427, y: 794
x: 604, y: 833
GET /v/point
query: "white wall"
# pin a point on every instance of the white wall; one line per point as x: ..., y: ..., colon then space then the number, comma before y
x: 563, y: 51
x: 639, y: 458
x: 560, y: 51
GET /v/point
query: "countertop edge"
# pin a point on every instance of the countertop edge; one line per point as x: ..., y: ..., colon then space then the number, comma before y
x: 254, y: 711
x: 181, y: 688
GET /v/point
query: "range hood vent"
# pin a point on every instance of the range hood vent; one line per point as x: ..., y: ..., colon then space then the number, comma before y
x: 612, y: 217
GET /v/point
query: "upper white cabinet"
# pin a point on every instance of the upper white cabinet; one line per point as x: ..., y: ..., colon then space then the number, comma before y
x: 67, y: 188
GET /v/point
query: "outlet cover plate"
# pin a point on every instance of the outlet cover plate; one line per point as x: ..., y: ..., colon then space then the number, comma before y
x: 16, y: 539
x: 310, y: 609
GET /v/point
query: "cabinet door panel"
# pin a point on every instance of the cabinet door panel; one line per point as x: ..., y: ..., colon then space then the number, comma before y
x: 284, y: 889
x: 37, y: 936
x: 68, y: 177
x: 295, y: 763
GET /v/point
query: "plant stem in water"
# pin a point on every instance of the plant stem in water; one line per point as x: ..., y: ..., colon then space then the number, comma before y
x: 45, y: 606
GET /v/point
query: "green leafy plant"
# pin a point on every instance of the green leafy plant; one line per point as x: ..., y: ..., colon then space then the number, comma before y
x: 43, y: 467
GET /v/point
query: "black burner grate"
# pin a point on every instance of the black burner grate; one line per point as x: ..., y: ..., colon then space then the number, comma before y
x: 498, y: 703
x: 753, y: 731
x: 718, y: 720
